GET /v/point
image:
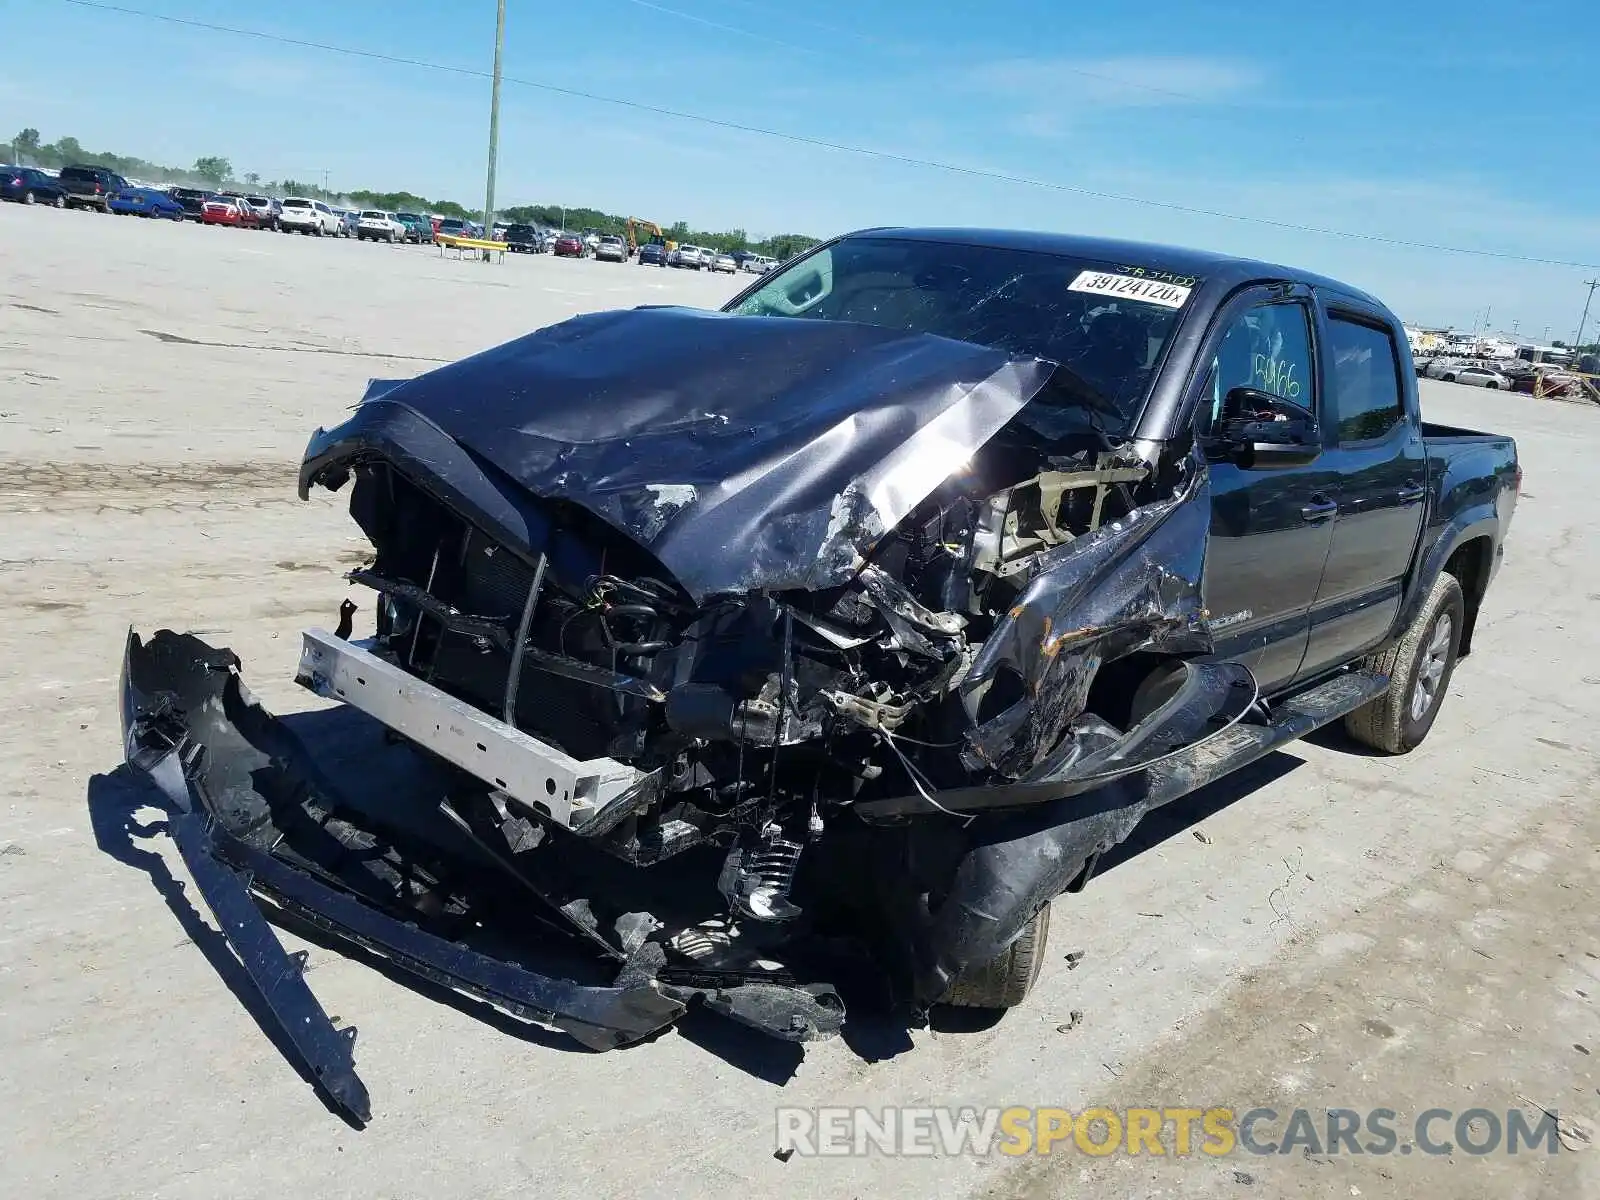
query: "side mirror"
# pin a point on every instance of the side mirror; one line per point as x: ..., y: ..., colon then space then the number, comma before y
x: 1260, y: 430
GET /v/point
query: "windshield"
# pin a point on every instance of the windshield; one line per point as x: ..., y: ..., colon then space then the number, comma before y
x: 1107, y: 324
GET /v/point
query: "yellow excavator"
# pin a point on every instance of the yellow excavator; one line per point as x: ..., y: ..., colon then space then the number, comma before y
x: 637, y: 223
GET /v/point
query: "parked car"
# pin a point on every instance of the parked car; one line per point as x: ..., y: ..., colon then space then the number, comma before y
x: 652, y: 254
x: 376, y: 225
x: 567, y: 245
x: 190, y: 200
x: 687, y: 257
x: 90, y: 187
x: 455, y: 227
x: 757, y: 264
x: 267, y: 209
x: 418, y: 228
x: 522, y: 239
x: 912, y: 683
x: 724, y: 262
x: 146, y: 202
x: 29, y: 185
x: 302, y: 214
x: 1476, y: 376
x: 349, y: 221
x: 611, y: 248
x: 225, y: 210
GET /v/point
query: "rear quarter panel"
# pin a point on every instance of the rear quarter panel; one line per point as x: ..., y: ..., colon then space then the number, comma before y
x: 1472, y: 496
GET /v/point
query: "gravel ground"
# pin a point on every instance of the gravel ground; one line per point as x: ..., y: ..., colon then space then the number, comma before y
x: 1330, y: 930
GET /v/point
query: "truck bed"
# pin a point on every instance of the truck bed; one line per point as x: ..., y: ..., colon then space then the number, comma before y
x: 1450, y: 435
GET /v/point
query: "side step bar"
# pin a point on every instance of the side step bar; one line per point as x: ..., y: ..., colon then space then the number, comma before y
x: 1190, y: 770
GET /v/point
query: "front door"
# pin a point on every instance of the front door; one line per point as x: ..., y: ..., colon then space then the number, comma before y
x: 1271, y: 526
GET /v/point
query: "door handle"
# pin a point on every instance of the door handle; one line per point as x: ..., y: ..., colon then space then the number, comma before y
x: 1411, y: 493
x: 1320, y: 509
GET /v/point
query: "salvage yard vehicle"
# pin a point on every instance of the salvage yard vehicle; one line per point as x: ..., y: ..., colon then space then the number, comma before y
x: 302, y: 214
x: 417, y: 228
x: 611, y: 248
x: 378, y: 226
x: 869, y: 612
x: 29, y: 185
x: 90, y: 187
x: 225, y: 210
x: 146, y: 202
x: 191, y: 200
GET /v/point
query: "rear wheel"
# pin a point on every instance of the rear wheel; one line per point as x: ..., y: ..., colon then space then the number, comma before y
x: 61, y: 201
x: 1419, y: 667
x: 1492, y: 386
x: 1004, y: 981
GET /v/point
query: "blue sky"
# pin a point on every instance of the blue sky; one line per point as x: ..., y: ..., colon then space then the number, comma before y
x: 1456, y: 123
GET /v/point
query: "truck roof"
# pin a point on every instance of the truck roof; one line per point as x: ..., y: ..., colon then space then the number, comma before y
x: 1211, y: 266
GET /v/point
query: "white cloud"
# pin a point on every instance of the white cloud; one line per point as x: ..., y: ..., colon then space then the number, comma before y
x: 1129, y: 82
x: 1052, y: 94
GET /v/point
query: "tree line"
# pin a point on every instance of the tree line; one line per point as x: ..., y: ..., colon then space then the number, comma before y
x: 216, y: 171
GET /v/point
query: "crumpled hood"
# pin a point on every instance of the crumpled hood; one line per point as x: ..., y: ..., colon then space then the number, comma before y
x: 743, y: 452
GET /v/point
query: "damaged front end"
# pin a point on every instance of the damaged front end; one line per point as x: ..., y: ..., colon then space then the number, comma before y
x: 702, y: 675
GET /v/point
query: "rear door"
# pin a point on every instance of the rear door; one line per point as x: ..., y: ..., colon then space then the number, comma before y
x: 1382, y: 466
x: 1271, y: 527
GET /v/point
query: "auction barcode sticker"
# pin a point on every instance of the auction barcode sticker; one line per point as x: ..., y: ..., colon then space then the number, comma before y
x: 1130, y: 287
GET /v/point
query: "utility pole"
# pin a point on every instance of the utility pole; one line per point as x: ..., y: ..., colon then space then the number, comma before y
x: 1591, y: 284
x: 324, y: 184
x: 494, y: 120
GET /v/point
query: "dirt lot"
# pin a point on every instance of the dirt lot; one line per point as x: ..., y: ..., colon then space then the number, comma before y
x: 1335, y: 930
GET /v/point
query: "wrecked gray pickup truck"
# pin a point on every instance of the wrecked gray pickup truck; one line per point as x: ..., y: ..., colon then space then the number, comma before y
x: 874, y: 609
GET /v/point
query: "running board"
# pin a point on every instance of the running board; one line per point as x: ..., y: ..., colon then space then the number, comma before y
x: 1190, y: 770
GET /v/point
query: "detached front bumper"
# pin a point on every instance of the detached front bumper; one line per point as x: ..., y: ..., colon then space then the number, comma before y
x: 254, y: 817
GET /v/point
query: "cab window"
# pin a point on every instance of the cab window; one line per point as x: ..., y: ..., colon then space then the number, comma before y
x: 1267, y: 348
x: 1364, y: 377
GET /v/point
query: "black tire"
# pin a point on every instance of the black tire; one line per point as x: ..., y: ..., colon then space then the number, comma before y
x: 61, y: 201
x: 1005, y: 981
x: 1419, y: 667
x: 1449, y: 378
x: 29, y: 198
x: 320, y: 230
x: 1492, y: 386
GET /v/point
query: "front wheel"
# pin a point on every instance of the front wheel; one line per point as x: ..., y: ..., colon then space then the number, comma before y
x: 61, y: 201
x: 1419, y: 667
x: 1004, y: 981
x: 1492, y: 386
x: 29, y: 198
